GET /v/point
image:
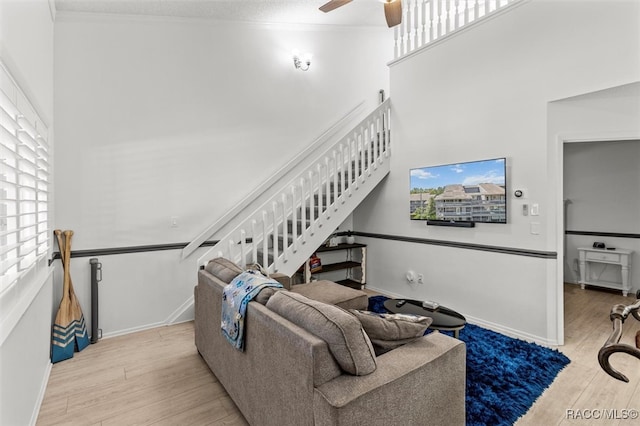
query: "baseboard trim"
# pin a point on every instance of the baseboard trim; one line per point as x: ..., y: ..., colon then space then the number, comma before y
x: 43, y: 390
x: 507, y: 331
x: 133, y: 330
x: 516, y: 334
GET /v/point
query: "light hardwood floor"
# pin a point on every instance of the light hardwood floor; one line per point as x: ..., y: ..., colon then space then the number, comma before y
x: 156, y: 377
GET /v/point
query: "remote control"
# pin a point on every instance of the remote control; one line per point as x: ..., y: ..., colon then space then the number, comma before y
x: 428, y: 304
x: 400, y: 303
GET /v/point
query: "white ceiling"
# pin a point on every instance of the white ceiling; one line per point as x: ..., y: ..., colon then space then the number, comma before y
x: 357, y: 13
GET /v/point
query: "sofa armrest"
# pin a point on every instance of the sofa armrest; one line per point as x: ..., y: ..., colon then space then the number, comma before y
x: 283, y: 279
x: 419, y: 383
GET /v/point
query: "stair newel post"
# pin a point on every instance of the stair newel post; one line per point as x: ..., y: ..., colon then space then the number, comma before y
x: 303, y: 211
x: 243, y: 248
x: 254, y: 241
x: 319, y: 171
x: 311, y: 204
x: 294, y: 220
x: 274, y: 208
x: 265, y: 240
x: 285, y: 229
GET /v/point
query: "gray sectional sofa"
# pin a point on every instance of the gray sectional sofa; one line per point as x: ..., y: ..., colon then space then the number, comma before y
x: 287, y: 375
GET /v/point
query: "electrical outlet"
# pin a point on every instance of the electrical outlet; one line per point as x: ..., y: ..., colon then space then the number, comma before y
x: 174, y: 222
x: 420, y: 279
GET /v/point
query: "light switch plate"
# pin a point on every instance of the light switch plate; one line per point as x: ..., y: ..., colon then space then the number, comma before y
x: 535, y: 209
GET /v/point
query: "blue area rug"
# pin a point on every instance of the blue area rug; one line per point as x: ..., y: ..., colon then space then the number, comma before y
x: 504, y: 375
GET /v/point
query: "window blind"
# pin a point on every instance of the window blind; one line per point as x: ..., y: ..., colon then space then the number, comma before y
x: 24, y: 185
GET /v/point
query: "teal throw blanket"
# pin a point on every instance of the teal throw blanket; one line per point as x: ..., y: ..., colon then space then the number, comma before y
x: 235, y: 298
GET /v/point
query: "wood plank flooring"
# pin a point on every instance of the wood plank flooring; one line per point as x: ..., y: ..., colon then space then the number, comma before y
x: 156, y: 377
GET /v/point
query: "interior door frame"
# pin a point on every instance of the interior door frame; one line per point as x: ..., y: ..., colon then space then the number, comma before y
x: 556, y: 313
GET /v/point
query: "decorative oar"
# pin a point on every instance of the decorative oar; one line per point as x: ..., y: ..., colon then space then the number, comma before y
x: 81, y: 333
x: 63, y: 335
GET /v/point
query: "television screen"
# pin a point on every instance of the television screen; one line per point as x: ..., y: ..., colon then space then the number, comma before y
x: 462, y: 192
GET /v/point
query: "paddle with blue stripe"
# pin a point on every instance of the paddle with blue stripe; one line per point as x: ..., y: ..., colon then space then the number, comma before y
x: 63, y: 337
x: 73, y: 336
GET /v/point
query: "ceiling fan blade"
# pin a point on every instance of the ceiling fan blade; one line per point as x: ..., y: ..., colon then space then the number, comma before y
x: 333, y: 4
x: 393, y: 12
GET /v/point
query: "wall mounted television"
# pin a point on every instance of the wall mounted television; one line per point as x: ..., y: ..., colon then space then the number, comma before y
x: 471, y: 192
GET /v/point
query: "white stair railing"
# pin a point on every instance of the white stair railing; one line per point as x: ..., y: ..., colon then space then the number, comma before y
x: 289, y: 226
x: 425, y: 21
x: 276, y: 179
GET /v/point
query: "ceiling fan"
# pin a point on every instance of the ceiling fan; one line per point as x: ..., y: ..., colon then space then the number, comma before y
x: 392, y: 9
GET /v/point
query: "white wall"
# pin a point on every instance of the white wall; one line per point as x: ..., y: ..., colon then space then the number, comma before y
x: 483, y: 94
x: 168, y: 117
x: 26, y: 49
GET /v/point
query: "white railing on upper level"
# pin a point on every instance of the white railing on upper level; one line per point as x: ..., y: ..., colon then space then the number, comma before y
x: 288, y: 227
x: 425, y: 21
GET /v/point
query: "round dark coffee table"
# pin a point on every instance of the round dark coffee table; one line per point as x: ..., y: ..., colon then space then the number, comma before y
x: 443, y: 318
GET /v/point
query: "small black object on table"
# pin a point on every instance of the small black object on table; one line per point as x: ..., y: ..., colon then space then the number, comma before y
x: 443, y: 318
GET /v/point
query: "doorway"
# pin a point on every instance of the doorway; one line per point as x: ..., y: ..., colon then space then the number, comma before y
x: 598, y: 200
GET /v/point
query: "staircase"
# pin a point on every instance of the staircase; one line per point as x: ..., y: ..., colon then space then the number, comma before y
x: 283, y: 232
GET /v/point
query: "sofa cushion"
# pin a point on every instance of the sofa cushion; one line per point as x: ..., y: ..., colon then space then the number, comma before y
x: 347, y: 341
x: 223, y: 269
x: 389, y: 331
x: 333, y: 294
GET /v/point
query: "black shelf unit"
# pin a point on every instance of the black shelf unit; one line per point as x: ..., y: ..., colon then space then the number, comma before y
x: 348, y: 265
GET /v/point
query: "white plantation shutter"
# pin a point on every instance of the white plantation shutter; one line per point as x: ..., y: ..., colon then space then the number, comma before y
x: 24, y: 185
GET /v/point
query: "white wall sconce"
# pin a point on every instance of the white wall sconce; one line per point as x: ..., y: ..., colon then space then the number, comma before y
x: 301, y: 62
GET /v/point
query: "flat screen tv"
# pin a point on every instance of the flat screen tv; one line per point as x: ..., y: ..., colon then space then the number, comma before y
x: 463, y: 192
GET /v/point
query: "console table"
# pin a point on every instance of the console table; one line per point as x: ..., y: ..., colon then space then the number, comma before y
x: 619, y: 257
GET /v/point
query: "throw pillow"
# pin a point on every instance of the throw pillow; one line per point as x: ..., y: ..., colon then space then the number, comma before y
x: 266, y: 293
x: 389, y: 331
x: 348, y: 343
x: 223, y: 269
